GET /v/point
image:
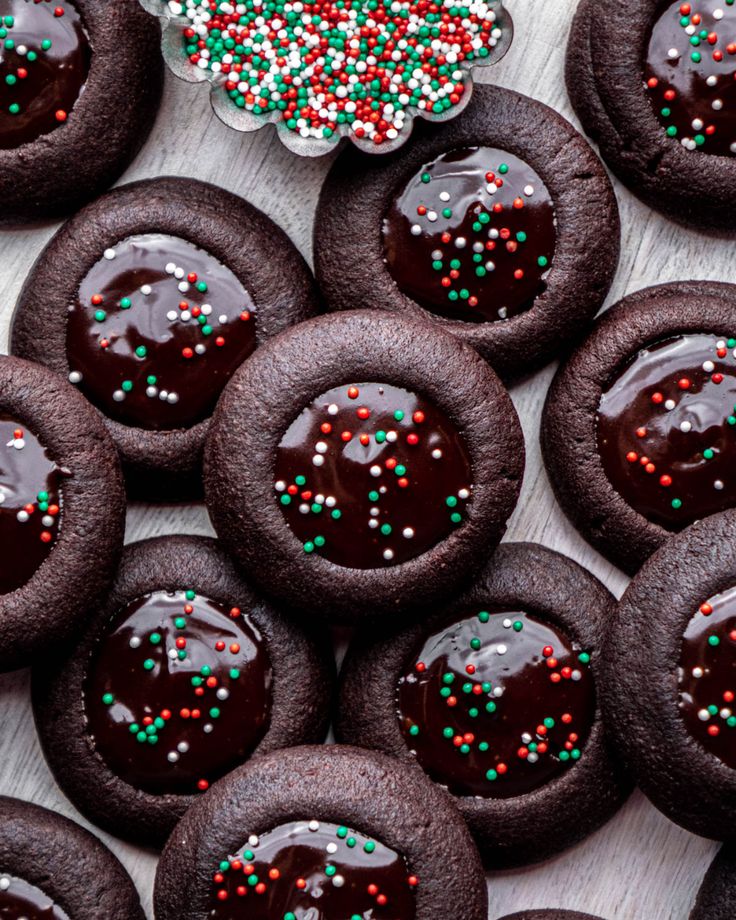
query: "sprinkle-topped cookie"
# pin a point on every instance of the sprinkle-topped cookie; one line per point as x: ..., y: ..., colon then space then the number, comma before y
x: 178, y: 693
x: 667, y: 429
x: 30, y: 503
x: 472, y: 235
x: 157, y: 330
x: 371, y: 475
x: 20, y: 900
x: 355, y: 67
x: 690, y: 74
x: 44, y: 61
x: 314, y: 870
x: 707, y: 676
x: 497, y: 704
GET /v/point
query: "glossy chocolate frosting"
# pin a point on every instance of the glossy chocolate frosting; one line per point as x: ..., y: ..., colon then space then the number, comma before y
x: 21, y: 901
x: 370, y: 475
x: 158, y: 329
x: 472, y: 235
x: 178, y: 693
x: 707, y: 676
x: 30, y: 502
x: 44, y: 62
x: 496, y: 704
x: 312, y: 870
x: 690, y: 73
x: 667, y: 429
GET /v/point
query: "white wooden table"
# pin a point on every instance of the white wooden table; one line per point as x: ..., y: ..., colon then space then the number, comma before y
x: 638, y: 867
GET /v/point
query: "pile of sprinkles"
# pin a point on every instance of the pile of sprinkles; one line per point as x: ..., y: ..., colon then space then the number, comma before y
x: 313, y: 868
x: 479, y: 224
x: 159, y: 327
x: 30, y: 503
x: 497, y: 704
x: 178, y: 693
x: 667, y: 429
x: 327, y: 67
x: 691, y: 74
x: 707, y: 676
x: 370, y: 475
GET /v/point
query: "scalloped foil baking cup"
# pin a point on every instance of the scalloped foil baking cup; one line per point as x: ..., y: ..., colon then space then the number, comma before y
x: 174, y: 18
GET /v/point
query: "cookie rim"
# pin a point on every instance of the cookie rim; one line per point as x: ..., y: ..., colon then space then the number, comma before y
x: 683, y: 780
x: 385, y: 789
x: 268, y: 392
x: 528, y: 575
x: 58, y: 696
x: 569, y: 418
x: 358, y: 193
x: 221, y: 225
x: 47, y: 609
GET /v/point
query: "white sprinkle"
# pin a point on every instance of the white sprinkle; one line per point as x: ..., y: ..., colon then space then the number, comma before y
x: 4, y: 883
x: 135, y: 642
x: 532, y: 757
x: 718, y: 485
x: 338, y: 881
x: 314, y: 826
x: 321, y: 447
x: 118, y: 396
x: 388, y: 554
x: 172, y: 757
x: 685, y: 426
x: 529, y: 191
x: 463, y: 493
x: 717, y: 104
x: 697, y: 672
x: 223, y: 693
x: 172, y: 653
x: 718, y: 14
x: 576, y: 675
x: 172, y: 316
x: 332, y: 409
x: 501, y: 649
x: 318, y: 460
x: 444, y: 196
x: 46, y: 520
x: 253, y: 840
x: 18, y: 443
x: 670, y: 404
x: 280, y: 486
x: 183, y: 286
x: 200, y: 349
x: 416, y: 230
x: 75, y: 377
x: 182, y: 747
x: 436, y: 454
x: 152, y: 392
x: 109, y: 254
x: 408, y: 532
x: 172, y: 399
x: 170, y: 268
x: 146, y: 289
x: 179, y: 273
x: 461, y: 242
x: 703, y: 715
x: 431, y: 216
x: 375, y: 470
x: 673, y: 53
x: 507, y: 623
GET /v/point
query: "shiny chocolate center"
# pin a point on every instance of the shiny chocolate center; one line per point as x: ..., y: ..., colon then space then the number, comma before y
x: 371, y: 475
x: 472, y: 235
x: 178, y: 692
x: 20, y: 900
x: 667, y: 429
x: 157, y: 330
x: 44, y: 62
x: 497, y: 704
x: 30, y: 502
x: 690, y: 74
x: 313, y: 870
x: 707, y: 676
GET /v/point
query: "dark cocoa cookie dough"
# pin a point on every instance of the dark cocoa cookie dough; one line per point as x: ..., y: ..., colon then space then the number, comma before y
x: 80, y: 83
x: 638, y: 77
x: 384, y: 458
x: 62, y: 511
x: 148, y: 300
x: 717, y: 896
x: 495, y: 697
x: 343, y: 818
x: 183, y: 675
x: 669, y: 677
x: 53, y: 869
x: 501, y: 228
x: 549, y: 915
x: 638, y: 429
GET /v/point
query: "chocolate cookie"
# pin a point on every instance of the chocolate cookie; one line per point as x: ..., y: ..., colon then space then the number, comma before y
x: 328, y: 832
x: 653, y: 84
x: 669, y: 678
x: 53, y: 869
x: 494, y: 696
x: 638, y: 432
x: 501, y: 228
x: 183, y: 675
x: 62, y: 511
x: 384, y: 458
x: 717, y: 895
x: 80, y: 83
x: 148, y: 300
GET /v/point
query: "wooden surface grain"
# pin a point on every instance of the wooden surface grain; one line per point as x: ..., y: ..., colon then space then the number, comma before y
x: 640, y: 866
